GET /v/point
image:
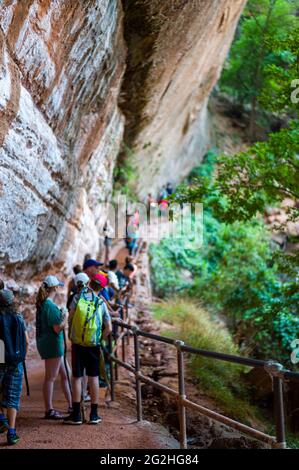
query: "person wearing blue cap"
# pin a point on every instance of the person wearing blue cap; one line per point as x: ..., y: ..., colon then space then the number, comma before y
x: 50, y: 323
x: 91, y: 267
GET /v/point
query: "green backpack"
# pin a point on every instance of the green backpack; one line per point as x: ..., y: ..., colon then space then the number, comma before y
x: 86, y: 326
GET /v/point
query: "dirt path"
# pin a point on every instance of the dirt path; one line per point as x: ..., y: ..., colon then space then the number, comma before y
x: 118, y: 430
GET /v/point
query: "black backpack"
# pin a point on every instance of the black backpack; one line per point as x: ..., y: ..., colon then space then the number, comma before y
x: 12, y: 332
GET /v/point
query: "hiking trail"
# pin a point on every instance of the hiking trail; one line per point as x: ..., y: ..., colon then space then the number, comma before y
x: 118, y: 430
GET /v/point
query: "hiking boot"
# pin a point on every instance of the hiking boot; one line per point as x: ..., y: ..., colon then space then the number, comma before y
x: 73, y: 419
x: 95, y: 419
x: 12, y: 438
x: 3, y: 425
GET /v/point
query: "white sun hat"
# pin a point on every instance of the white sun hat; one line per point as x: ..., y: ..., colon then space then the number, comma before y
x: 52, y: 281
x: 82, y: 278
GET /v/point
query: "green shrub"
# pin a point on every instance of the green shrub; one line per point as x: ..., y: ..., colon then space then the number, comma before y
x: 221, y: 381
x: 233, y: 273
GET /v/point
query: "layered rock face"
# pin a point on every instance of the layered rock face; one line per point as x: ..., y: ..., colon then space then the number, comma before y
x: 61, y: 90
x: 61, y: 68
x: 176, y: 53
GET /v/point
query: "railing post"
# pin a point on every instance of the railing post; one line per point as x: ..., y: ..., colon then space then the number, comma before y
x: 279, y: 413
x: 123, y: 345
x: 182, y: 395
x: 116, y: 354
x: 137, y: 372
x: 274, y: 369
x: 127, y: 316
x: 112, y: 392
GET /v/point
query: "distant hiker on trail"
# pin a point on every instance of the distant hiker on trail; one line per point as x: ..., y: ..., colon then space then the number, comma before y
x: 13, y: 333
x: 132, y: 237
x: 90, y: 322
x: 107, y: 242
x: 151, y: 203
x: 50, y: 323
x: 169, y: 189
x: 163, y: 194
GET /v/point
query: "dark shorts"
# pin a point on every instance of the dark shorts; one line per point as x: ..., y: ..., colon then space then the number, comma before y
x: 11, y: 380
x: 85, y: 360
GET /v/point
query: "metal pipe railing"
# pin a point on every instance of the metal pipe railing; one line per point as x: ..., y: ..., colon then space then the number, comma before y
x: 274, y: 369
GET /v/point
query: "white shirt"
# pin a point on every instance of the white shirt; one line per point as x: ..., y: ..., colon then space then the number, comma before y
x: 113, y: 279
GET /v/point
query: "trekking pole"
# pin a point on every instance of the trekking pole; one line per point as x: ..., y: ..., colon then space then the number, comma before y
x: 26, y: 379
x: 66, y: 365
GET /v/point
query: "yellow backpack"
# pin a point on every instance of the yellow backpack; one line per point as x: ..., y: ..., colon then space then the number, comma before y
x: 86, y: 326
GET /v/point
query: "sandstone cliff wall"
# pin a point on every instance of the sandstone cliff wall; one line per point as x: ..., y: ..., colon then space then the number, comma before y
x: 176, y: 50
x: 64, y: 107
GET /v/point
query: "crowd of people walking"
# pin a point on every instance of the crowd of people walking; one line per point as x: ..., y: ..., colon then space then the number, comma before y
x: 95, y: 295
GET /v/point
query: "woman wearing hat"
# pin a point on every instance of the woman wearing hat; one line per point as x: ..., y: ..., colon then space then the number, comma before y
x: 50, y: 323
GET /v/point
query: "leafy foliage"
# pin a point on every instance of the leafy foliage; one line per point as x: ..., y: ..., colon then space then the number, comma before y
x: 233, y: 273
x: 222, y: 381
x: 258, y: 64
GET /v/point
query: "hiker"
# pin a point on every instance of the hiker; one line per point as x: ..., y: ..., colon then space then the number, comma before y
x: 169, y: 189
x: 107, y: 242
x: 50, y: 323
x: 72, y: 285
x: 1, y: 285
x: 124, y: 276
x: 81, y: 282
x: 113, y: 279
x: 71, y: 290
x: 91, y: 267
x: 86, y: 337
x: 130, y: 260
x: 162, y: 195
x: 114, y: 312
x: 125, y: 285
x: 151, y: 202
x: 13, y: 333
x: 132, y: 239
x: 107, y: 294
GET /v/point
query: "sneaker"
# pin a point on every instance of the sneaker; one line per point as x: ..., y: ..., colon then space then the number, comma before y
x: 73, y: 419
x: 12, y: 438
x: 53, y: 415
x: 87, y: 398
x: 3, y: 425
x: 95, y: 419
